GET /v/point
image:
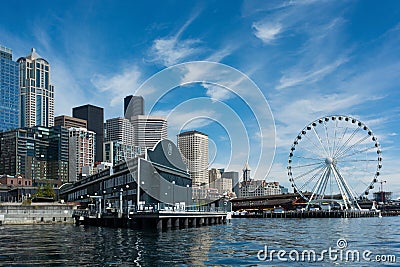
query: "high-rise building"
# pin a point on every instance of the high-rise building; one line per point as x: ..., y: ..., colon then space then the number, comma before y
x: 119, y: 129
x: 148, y: 130
x: 9, y: 91
x: 38, y: 153
x: 194, y: 148
x: 234, y: 176
x: 223, y: 185
x: 133, y: 106
x: 36, y: 91
x: 81, y: 151
x: 69, y: 122
x: 95, y: 122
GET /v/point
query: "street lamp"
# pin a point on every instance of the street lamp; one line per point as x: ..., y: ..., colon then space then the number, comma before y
x: 173, y: 195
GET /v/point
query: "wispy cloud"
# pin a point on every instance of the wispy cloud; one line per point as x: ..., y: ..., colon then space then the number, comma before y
x: 267, y: 32
x: 173, y: 49
x: 309, y: 76
x: 118, y: 85
x: 217, y: 92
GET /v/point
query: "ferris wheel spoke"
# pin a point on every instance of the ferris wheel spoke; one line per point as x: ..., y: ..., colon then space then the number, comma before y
x: 338, y: 146
x: 357, y: 160
x: 312, y: 178
x: 352, y: 146
x: 300, y: 157
x: 335, y: 138
x: 320, y: 140
x: 306, y: 165
x: 308, y: 172
x: 327, y: 139
x: 355, y: 153
x: 317, y: 148
x: 347, y: 141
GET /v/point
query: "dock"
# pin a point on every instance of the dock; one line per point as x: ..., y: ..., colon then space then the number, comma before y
x: 158, y: 220
x: 316, y: 214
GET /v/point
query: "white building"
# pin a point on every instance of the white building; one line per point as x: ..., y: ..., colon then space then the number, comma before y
x: 81, y: 151
x: 255, y: 188
x: 119, y: 129
x: 223, y: 185
x: 148, y: 130
x: 37, y: 93
x: 193, y: 146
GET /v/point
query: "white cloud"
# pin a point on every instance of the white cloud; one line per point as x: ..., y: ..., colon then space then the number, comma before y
x: 308, y: 77
x: 267, y: 32
x: 216, y: 92
x: 118, y: 85
x: 169, y: 51
x: 172, y: 50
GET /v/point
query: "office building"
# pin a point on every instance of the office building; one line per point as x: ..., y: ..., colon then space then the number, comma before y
x: 95, y: 122
x: 223, y: 185
x: 9, y: 91
x: 115, y: 152
x: 148, y: 130
x: 194, y: 148
x: 69, y: 122
x: 234, y: 176
x: 36, y: 91
x: 37, y: 153
x: 119, y: 129
x: 81, y: 151
x: 133, y: 106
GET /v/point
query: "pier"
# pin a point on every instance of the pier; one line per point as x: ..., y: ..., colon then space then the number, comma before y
x: 316, y: 214
x: 158, y: 220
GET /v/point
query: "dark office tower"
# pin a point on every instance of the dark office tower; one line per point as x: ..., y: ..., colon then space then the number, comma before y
x: 9, y: 91
x: 95, y: 122
x: 133, y: 106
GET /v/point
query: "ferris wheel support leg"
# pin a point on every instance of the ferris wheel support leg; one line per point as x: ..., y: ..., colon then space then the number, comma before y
x: 316, y: 188
x: 341, y: 189
x: 349, y: 190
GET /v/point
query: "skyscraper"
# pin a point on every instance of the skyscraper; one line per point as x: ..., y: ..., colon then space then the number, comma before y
x: 148, y: 130
x: 194, y: 148
x: 37, y: 93
x: 39, y: 153
x: 95, y: 122
x: 81, y: 151
x: 133, y: 106
x: 9, y: 91
x: 119, y: 129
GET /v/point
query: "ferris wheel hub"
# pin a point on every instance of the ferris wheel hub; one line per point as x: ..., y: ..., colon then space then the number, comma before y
x: 329, y: 161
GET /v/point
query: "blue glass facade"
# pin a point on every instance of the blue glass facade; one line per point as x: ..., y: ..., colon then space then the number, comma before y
x: 9, y: 91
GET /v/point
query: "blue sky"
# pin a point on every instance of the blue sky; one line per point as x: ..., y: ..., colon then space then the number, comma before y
x: 309, y: 59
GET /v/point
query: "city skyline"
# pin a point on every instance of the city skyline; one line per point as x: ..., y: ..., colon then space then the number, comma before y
x: 310, y: 59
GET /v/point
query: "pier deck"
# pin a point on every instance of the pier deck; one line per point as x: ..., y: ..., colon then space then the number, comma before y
x: 159, y: 220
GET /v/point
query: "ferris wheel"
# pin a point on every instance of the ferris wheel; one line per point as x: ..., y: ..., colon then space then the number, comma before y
x: 335, y: 159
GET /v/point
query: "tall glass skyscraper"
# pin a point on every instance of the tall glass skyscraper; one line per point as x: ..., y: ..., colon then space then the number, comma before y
x: 37, y: 93
x: 9, y: 91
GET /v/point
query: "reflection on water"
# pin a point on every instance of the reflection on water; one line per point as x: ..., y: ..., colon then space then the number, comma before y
x: 236, y: 243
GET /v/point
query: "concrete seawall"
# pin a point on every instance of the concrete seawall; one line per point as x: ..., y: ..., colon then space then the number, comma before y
x: 36, y: 213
